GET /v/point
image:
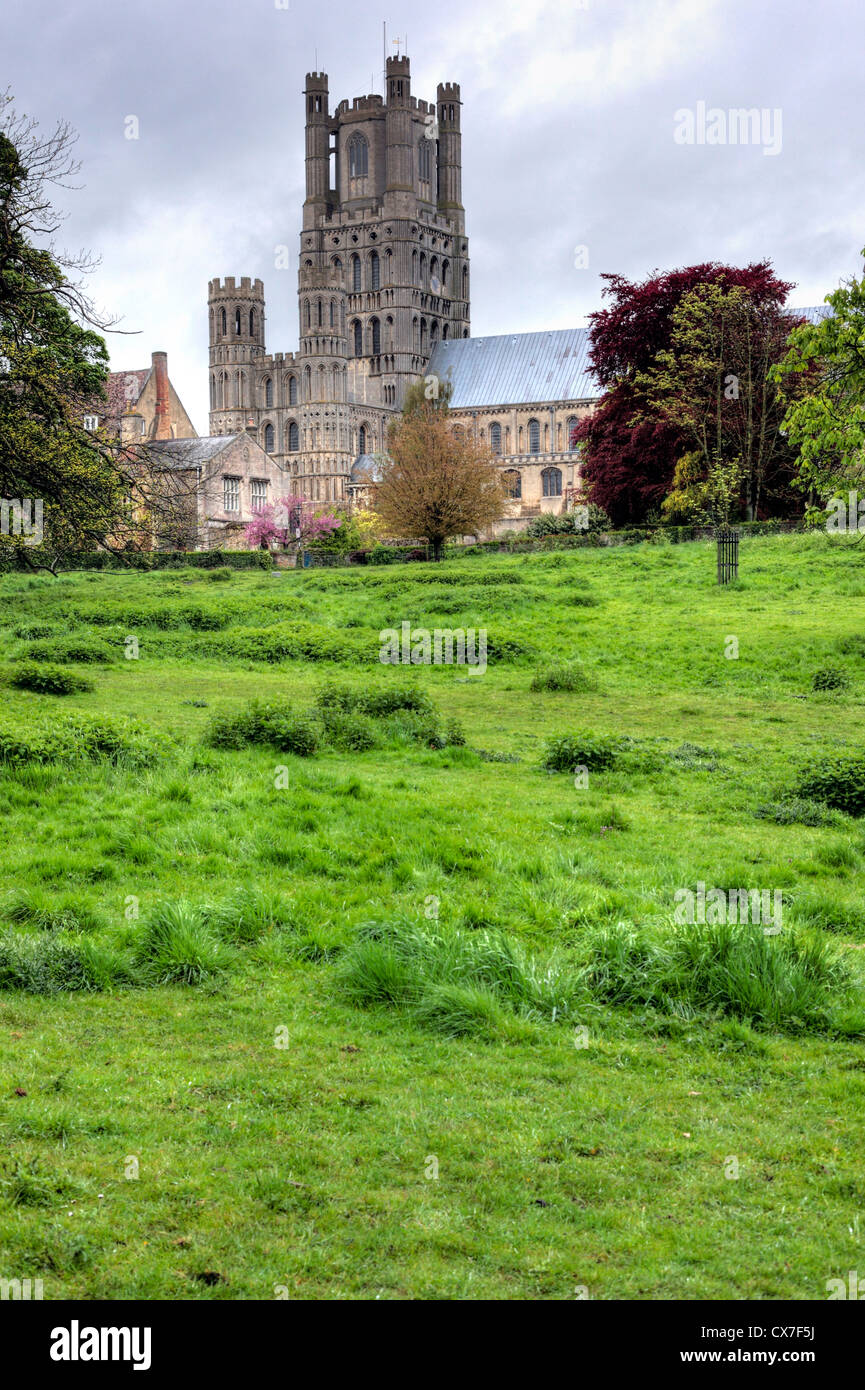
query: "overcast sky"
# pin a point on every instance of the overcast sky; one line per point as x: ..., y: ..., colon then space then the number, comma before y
x: 569, y: 141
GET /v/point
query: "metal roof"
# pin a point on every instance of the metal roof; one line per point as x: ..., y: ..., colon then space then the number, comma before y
x: 528, y: 368
x: 516, y: 368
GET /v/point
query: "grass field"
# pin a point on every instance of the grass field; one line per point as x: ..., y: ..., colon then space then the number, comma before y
x: 405, y: 1013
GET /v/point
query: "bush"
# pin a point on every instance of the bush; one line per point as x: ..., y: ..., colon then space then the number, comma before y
x: 220, y: 576
x: 567, y: 523
x: 348, y: 730
x: 596, y: 752
x: 569, y: 675
x: 65, y: 737
x: 72, y: 649
x: 28, y: 632
x: 837, y: 780
x: 829, y: 678
x: 796, y: 810
x: 52, y: 964
x: 270, y: 723
x: 49, y: 680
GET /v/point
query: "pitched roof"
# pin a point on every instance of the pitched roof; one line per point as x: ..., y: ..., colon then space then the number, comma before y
x: 516, y: 368
x: 190, y: 453
x: 116, y: 385
x: 529, y: 368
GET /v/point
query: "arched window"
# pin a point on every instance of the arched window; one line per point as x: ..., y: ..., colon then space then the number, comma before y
x: 446, y: 266
x: 292, y: 390
x: 445, y: 332
x: 319, y: 314
x: 293, y: 436
x: 496, y: 438
x: 375, y: 333
x: 422, y: 267
x: 573, y: 446
x: 534, y: 437
x: 465, y: 282
x: 332, y: 314
x: 268, y: 393
x: 433, y: 333
x: 268, y: 439
x: 355, y: 274
x: 415, y: 334
x: 423, y: 159
x: 374, y: 271
x: 358, y: 157
x: 551, y: 479
x: 336, y: 262
x: 322, y: 384
x: 361, y: 444
x: 237, y: 322
x: 224, y: 324
x: 335, y: 382
x: 423, y: 335
x: 357, y: 331
x: 252, y: 323
x: 307, y: 383
x: 306, y: 314
x: 513, y: 481
x: 388, y: 267
x: 414, y: 267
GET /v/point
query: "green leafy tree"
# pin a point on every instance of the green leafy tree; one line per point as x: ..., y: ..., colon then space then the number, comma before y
x: 714, y: 384
x: 53, y: 366
x: 823, y: 381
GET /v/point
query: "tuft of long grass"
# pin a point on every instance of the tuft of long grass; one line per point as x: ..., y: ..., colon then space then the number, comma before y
x: 792, y: 982
x: 177, y: 945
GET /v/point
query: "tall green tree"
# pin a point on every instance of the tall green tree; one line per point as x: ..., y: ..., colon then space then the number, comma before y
x: 53, y: 362
x: 823, y: 380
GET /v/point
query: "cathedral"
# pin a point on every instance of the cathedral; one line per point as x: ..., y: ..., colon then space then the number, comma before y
x: 383, y: 298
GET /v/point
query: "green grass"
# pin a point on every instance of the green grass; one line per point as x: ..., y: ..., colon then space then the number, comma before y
x: 273, y: 937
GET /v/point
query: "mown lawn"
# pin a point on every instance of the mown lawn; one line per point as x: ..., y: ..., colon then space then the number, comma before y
x: 548, y: 1128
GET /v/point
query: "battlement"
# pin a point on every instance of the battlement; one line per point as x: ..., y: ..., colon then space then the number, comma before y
x: 219, y: 289
x: 398, y: 67
x: 448, y: 91
x: 318, y: 80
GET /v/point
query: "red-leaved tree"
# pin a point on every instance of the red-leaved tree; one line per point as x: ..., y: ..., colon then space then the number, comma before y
x: 285, y: 521
x: 627, y: 468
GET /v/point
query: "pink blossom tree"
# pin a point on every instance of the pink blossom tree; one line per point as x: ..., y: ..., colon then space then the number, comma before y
x: 285, y: 521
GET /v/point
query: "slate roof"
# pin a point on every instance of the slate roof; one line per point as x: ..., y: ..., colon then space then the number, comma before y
x: 189, y: 453
x: 528, y: 368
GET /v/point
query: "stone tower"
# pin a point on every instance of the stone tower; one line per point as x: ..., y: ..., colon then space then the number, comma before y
x: 383, y: 276
x: 236, y: 324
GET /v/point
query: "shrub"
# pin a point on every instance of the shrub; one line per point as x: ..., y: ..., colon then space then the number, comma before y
x: 29, y: 632
x: 348, y: 730
x: 593, y: 751
x: 220, y: 576
x: 838, y: 780
x: 80, y: 649
x: 48, y: 680
x: 829, y: 678
x: 796, y: 810
x: 50, y: 964
x: 569, y: 675
x: 261, y: 722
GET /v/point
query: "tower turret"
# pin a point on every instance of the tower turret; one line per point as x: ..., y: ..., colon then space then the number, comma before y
x: 450, y: 153
x: 398, y: 127
x: 236, y: 323
x: 317, y: 146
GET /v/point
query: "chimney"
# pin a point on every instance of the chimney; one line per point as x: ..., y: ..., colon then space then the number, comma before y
x: 159, y: 363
